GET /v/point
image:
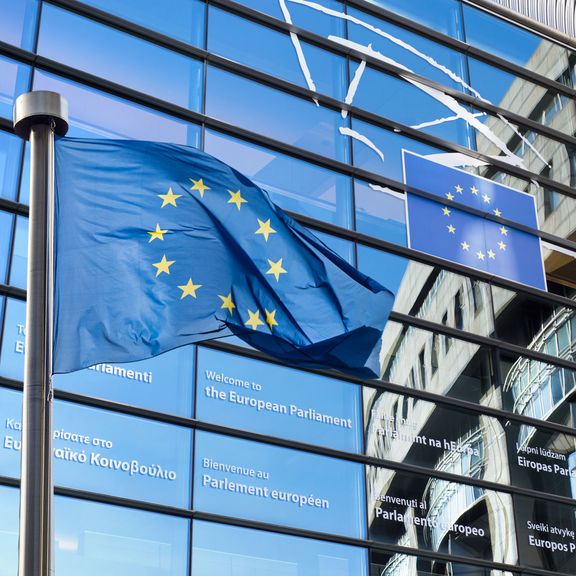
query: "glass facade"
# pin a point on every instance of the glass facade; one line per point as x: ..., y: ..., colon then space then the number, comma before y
x: 214, y: 460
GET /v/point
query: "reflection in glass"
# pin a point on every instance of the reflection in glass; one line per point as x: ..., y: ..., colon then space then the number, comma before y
x: 10, y: 151
x: 542, y: 460
x: 413, y: 431
x: 96, y: 114
x: 275, y: 114
x: 464, y: 370
x: 19, y: 261
x: 18, y: 22
x: 537, y: 389
x: 180, y: 19
x: 546, y: 534
x: 292, y: 183
x: 241, y: 40
x: 228, y: 550
x: 93, y: 539
x: 141, y: 65
x: 14, y: 80
x: 434, y: 514
x: 388, y: 564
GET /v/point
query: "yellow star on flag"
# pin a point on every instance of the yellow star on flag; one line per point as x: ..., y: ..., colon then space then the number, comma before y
x: 446, y: 211
x: 189, y: 289
x: 169, y: 198
x: 480, y: 255
x: 449, y: 196
x: 158, y: 233
x: 276, y: 269
x: 486, y: 198
x: 458, y: 189
x: 265, y: 229
x: 163, y: 266
x: 501, y: 245
x: 227, y: 302
x: 271, y: 318
x: 465, y: 245
x: 451, y: 229
x: 236, y: 198
x: 474, y: 190
x: 497, y: 212
x: 200, y: 186
x: 491, y: 254
x: 503, y: 231
x: 254, y: 319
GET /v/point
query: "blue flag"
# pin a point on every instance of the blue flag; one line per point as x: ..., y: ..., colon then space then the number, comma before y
x: 442, y: 229
x: 158, y: 246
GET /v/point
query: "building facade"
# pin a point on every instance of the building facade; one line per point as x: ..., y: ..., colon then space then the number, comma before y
x: 213, y: 459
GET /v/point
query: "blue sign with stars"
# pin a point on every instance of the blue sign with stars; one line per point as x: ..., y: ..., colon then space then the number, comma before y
x: 442, y: 228
x: 159, y: 246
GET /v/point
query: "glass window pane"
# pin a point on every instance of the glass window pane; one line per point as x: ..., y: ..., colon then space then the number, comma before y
x: 230, y: 550
x: 121, y: 58
x: 95, y: 114
x: 433, y: 514
x: 542, y: 460
x: 389, y: 564
x: 536, y: 389
x: 14, y: 334
x: 108, y: 453
x: 292, y: 183
x: 442, y: 15
x: 546, y: 534
x: 380, y: 151
x: 414, y: 431
x: 380, y: 212
x: 9, y: 504
x: 303, y: 16
x: 417, y: 53
x: 180, y: 19
x: 94, y: 539
x: 514, y: 43
x: 464, y: 370
x: 279, y: 401
x: 10, y: 152
x: 18, y: 22
x: 242, y: 40
x: 387, y: 269
x: 245, y: 479
x: 14, y: 80
x: 275, y: 114
x: 19, y: 262
x: 406, y: 103
x: 163, y: 383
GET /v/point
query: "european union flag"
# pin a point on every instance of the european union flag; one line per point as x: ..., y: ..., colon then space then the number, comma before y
x: 442, y: 229
x: 159, y: 246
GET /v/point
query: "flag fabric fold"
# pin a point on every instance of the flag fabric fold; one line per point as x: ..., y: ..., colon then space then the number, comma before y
x: 159, y: 246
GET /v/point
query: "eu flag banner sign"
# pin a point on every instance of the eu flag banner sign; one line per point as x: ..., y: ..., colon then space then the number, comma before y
x: 159, y: 246
x: 441, y: 228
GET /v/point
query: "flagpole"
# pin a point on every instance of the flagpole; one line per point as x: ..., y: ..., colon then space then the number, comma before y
x: 38, y: 116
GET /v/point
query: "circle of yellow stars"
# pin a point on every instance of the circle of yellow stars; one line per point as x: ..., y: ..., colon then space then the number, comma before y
x: 191, y: 289
x: 465, y: 246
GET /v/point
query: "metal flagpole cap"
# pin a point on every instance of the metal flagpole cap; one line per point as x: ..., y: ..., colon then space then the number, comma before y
x: 40, y: 107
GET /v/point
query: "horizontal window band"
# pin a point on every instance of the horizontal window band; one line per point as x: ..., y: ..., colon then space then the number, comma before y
x: 183, y: 48
x: 369, y: 545
x: 400, y: 467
